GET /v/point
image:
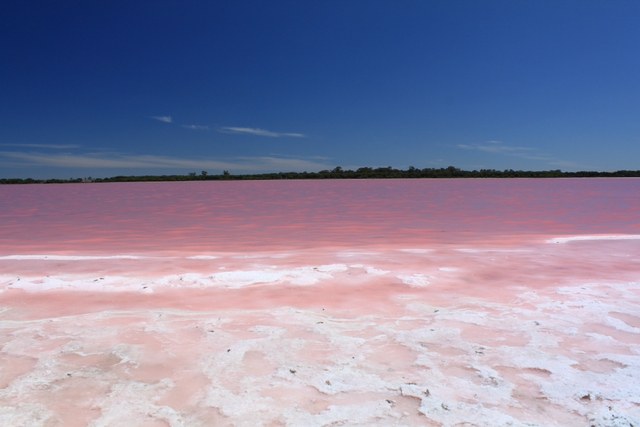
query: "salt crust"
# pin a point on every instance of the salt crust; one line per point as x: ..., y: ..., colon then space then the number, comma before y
x: 416, y: 280
x: 375, y: 271
x: 27, y: 415
x: 442, y: 373
x: 228, y: 279
x: 66, y: 257
x: 133, y: 403
x: 595, y: 237
x: 370, y: 270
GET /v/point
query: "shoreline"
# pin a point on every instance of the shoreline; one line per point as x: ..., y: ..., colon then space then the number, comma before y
x: 338, y: 173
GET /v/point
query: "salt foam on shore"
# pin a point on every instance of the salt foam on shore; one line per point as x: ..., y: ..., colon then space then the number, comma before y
x: 595, y: 237
x: 476, y: 364
x: 227, y: 279
x: 534, y: 336
x: 66, y: 257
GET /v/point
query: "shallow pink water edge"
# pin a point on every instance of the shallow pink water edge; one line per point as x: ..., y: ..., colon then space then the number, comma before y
x: 540, y: 333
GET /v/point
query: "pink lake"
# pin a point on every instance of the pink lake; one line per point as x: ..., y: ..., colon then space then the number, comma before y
x: 507, y: 302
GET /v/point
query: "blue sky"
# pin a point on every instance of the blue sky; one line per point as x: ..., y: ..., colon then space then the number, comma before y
x: 104, y: 88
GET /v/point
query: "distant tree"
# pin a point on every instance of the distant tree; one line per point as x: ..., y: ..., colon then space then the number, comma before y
x: 337, y: 169
x: 204, y: 173
x: 225, y: 173
x: 192, y: 174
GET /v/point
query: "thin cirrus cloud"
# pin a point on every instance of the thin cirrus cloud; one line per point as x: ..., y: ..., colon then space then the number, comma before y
x: 166, y: 119
x: 234, y: 129
x: 260, y: 132
x: 169, y: 119
x: 196, y: 127
x: 122, y: 161
x: 498, y: 147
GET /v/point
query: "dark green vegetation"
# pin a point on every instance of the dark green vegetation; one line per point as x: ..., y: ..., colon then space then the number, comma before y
x: 339, y: 173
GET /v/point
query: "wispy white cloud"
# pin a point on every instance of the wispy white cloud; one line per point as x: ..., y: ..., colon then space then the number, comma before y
x: 569, y: 164
x: 496, y: 147
x: 130, y: 161
x: 528, y: 153
x: 260, y: 132
x: 166, y: 119
x: 54, y: 146
x: 196, y: 127
x: 316, y: 157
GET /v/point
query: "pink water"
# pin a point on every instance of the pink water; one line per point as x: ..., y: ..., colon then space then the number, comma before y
x: 236, y: 215
x: 321, y: 303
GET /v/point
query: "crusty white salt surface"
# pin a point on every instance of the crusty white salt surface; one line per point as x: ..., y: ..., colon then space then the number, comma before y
x: 597, y: 237
x: 531, y: 335
x: 337, y: 303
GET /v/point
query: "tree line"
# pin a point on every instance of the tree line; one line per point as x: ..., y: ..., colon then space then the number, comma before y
x: 339, y: 173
